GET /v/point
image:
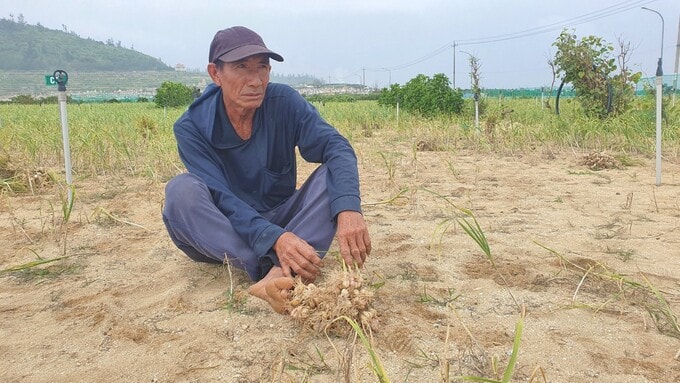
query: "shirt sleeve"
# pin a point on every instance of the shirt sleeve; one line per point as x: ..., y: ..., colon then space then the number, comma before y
x: 320, y: 142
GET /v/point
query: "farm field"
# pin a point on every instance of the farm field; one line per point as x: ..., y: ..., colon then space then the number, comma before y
x: 583, y: 260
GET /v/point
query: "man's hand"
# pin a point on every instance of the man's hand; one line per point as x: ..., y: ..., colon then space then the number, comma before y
x: 353, y: 238
x: 295, y: 255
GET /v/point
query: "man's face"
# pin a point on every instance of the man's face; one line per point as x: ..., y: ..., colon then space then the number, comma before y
x: 243, y: 82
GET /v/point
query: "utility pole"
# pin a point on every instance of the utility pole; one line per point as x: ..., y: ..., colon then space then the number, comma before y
x: 363, y: 76
x: 389, y: 71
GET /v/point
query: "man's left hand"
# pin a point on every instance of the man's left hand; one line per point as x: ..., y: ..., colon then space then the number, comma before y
x: 353, y: 238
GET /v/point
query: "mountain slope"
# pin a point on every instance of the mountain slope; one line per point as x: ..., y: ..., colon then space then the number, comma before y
x: 34, y: 47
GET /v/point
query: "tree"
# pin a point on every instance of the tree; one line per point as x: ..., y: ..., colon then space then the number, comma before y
x: 624, y: 83
x: 553, y: 70
x: 475, y: 76
x: 425, y: 96
x: 475, y: 80
x: 391, y: 96
x: 172, y: 94
x: 587, y: 64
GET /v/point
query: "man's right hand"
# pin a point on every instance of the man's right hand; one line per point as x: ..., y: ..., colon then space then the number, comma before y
x: 296, y: 256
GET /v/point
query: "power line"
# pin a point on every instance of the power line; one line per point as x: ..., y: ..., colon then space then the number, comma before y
x: 587, y: 17
x: 591, y: 16
x: 423, y: 58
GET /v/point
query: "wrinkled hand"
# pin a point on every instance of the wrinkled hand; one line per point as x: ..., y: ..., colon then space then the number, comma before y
x: 297, y: 256
x: 353, y: 238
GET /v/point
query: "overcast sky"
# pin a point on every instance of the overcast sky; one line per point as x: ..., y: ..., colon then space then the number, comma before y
x: 374, y: 41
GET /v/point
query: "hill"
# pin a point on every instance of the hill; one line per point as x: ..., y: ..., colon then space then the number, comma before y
x: 34, y: 47
x: 97, y: 70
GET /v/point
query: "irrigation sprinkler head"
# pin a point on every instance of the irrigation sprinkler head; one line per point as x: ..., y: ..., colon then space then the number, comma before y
x: 61, y: 77
x: 659, y: 68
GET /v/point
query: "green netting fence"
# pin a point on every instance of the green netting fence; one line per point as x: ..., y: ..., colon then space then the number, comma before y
x: 133, y: 86
x: 645, y: 85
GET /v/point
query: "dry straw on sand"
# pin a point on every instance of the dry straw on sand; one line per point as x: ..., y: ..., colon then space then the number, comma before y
x: 343, y: 293
x: 600, y: 160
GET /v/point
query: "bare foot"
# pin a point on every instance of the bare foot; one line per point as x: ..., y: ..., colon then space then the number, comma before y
x: 274, y: 289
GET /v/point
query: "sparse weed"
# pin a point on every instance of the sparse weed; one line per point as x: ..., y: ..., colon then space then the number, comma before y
x: 512, y: 361
x: 309, y: 364
x: 390, y: 165
x: 32, y: 269
x: 376, y: 363
x: 438, y: 234
x: 32, y: 264
x: 236, y: 300
x: 665, y: 319
x: 624, y: 255
x: 451, y: 297
x: 476, y: 233
x: 104, y: 216
x: 67, y: 201
x: 641, y: 294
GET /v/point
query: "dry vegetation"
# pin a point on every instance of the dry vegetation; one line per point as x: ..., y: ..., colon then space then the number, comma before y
x: 600, y: 161
x: 342, y: 294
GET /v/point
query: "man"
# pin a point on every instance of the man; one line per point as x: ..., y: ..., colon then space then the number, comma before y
x: 238, y: 201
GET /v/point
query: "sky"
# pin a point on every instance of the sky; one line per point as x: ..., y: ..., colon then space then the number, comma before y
x: 376, y: 42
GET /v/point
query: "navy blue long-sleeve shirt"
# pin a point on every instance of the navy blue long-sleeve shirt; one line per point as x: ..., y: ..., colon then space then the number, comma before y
x: 255, y: 175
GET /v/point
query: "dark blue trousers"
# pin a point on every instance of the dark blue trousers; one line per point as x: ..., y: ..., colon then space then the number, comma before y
x: 204, y: 234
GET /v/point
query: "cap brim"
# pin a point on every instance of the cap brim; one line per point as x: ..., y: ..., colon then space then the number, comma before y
x: 246, y: 51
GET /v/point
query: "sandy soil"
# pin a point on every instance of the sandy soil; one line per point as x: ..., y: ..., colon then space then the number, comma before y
x: 585, y: 254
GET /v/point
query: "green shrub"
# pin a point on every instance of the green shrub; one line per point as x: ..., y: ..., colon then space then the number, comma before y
x: 588, y: 65
x: 172, y: 94
x: 425, y: 96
